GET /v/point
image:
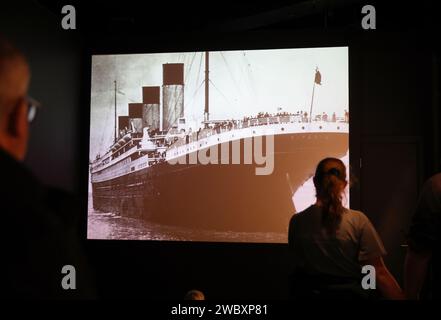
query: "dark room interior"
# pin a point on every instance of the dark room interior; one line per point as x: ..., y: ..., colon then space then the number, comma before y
x: 394, y: 140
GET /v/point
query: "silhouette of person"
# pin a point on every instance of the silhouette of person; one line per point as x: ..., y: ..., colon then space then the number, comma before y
x: 423, y: 238
x: 346, y: 116
x: 305, y: 117
x: 40, y: 234
x: 329, y: 244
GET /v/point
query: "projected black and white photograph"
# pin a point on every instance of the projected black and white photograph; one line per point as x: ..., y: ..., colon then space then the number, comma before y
x: 216, y: 146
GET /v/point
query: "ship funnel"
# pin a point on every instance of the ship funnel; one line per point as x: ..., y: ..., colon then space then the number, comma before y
x: 172, y: 94
x: 135, y: 116
x: 123, y: 125
x: 150, y: 111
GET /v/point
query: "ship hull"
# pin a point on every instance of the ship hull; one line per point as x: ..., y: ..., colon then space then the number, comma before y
x: 220, y: 196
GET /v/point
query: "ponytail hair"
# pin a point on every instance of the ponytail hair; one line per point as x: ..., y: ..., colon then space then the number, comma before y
x: 329, y: 182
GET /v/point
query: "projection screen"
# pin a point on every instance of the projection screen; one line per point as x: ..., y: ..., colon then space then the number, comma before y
x: 216, y: 146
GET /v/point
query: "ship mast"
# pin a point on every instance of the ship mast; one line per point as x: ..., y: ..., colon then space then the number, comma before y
x: 206, y: 114
x: 318, y: 80
x: 116, y: 134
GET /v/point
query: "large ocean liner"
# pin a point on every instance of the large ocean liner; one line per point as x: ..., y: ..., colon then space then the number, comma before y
x: 138, y: 176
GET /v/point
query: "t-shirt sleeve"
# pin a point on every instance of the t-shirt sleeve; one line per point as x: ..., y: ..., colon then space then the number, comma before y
x: 371, y: 245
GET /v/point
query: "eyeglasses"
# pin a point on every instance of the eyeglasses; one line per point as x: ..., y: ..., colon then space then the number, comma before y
x: 33, y: 106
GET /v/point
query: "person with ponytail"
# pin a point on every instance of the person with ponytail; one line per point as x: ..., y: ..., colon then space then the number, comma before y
x: 329, y: 244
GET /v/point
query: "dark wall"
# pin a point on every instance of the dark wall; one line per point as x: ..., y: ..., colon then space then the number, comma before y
x: 394, y: 131
x: 55, y: 57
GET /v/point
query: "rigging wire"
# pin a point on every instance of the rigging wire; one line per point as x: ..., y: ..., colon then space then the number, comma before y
x: 231, y: 74
x: 111, y: 96
x: 200, y: 67
x: 189, y: 68
x: 197, y: 81
x: 196, y: 91
x: 226, y: 99
x: 250, y: 77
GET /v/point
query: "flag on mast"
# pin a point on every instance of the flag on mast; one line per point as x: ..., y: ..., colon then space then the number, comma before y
x: 318, y: 77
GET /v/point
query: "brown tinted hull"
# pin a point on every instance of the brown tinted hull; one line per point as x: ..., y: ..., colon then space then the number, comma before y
x: 222, y: 197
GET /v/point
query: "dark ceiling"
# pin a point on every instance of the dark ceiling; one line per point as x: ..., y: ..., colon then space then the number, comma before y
x: 226, y: 16
x: 117, y: 23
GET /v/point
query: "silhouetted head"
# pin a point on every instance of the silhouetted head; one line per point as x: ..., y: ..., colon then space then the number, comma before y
x: 14, y: 104
x: 330, y: 183
x: 194, y: 295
